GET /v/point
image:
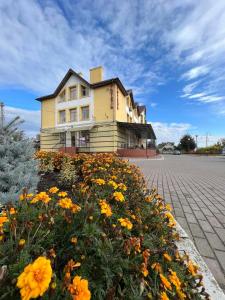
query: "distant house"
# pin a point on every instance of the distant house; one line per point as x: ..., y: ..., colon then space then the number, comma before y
x: 167, y: 149
x: 95, y: 116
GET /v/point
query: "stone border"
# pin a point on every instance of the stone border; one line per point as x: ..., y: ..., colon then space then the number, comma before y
x: 209, y: 281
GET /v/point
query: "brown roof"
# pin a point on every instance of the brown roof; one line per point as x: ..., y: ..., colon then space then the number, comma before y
x: 95, y: 85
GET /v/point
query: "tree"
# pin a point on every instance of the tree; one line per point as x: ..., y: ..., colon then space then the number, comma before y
x: 187, y: 143
x: 18, y: 168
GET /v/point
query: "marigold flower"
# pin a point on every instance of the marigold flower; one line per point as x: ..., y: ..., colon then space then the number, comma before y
x: 22, y: 242
x: 164, y: 296
x: 65, y: 203
x: 99, y: 181
x: 79, y: 289
x: 12, y: 211
x: 62, y: 194
x: 75, y: 208
x: 174, y: 279
x: 42, y: 196
x: 181, y: 295
x: 167, y: 256
x: 35, y: 279
x: 73, y: 240
x: 122, y: 187
x: 125, y: 222
x: 3, y: 219
x: 118, y: 196
x: 53, y: 190
x: 192, y: 268
x: 144, y: 270
x: 105, y: 208
x: 165, y: 282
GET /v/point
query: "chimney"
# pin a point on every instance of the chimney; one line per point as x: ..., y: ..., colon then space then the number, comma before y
x: 96, y: 74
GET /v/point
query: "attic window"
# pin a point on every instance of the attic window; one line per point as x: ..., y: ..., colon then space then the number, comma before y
x: 73, y: 92
x: 62, y: 96
x: 84, y: 91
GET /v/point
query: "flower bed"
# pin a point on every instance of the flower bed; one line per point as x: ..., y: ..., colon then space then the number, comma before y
x: 106, y: 237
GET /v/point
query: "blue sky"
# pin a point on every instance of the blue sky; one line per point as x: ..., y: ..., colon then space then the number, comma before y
x: 170, y: 52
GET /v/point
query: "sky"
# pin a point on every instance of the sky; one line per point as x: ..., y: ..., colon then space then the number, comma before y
x: 170, y: 52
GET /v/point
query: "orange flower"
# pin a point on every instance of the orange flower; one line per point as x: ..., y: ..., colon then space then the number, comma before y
x: 165, y: 282
x: 164, y: 296
x: 105, y: 208
x: 62, y: 194
x: 53, y: 190
x: 22, y: 242
x: 193, y: 269
x: 42, y: 196
x: 79, y: 289
x: 124, y: 222
x: 118, y: 196
x: 144, y: 270
x: 65, y: 203
x: 12, y: 211
x: 167, y: 257
x: 73, y: 240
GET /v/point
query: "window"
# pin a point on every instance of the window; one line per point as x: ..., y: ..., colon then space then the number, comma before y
x: 84, y: 138
x: 73, y: 115
x: 85, y: 113
x: 73, y: 93
x: 62, y: 116
x: 84, y: 91
x: 62, y: 137
x: 62, y: 96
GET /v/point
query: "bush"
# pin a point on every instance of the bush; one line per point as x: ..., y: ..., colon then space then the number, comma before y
x: 215, y: 149
x: 112, y: 239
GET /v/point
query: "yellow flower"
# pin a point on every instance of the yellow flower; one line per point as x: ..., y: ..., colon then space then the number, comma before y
x: 192, y: 268
x: 181, y: 295
x: 174, y: 279
x: 75, y: 208
x: 35, y: 279
x: 113, y: 184
x: 99, y: 181
x: 170, y: 217
x: 3, y: 219
x: 62, y: 194
x: 118, y: 196
x: 42, y: 196
x: 73, y: 240
x: 105, y: 208
x: 53, y: 190
x: 149, y: 198
x: 165, y: 282
x: 167, y: 257
x: 65, y: 203
x: 12, y: 211
x: 168, y: 207
x: 164, y: 296
x: 79, y: 289
x: 22, y: 242
x: 144, y: 270
x: 122, y: 187
x: 124, y: 222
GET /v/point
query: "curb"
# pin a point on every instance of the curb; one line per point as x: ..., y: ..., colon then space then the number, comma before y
x: 209, y: 281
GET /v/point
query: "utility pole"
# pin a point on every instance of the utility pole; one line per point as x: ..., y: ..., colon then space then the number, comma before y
x: 206, y: 140
x: 1, y: 116
x: 196, y: 138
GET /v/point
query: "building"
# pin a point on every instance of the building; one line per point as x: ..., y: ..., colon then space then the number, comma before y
x: 95, y: 116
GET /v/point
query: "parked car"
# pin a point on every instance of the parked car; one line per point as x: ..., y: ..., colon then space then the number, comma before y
x: 223, y: 151
x: 176, y: 152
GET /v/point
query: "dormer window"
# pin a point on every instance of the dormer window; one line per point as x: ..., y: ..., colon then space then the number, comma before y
x: 73, y: 92
x: 84, y: 91
x: 62, y: 96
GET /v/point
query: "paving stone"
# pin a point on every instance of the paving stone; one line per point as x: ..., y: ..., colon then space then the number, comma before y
x: 221, y: 233
x: 216, y: 270
x: 187, y: 209
x: 205, y: 225
x: 215, y: 241
x: 203, y: 247
x: 221, y: 257
x: 214, y: 222
x: 178, y: 212
x: 207, y: 212
x: 190, y: 218
x: 196, y: 230
x: 199, y: 215
x: 183, y: 222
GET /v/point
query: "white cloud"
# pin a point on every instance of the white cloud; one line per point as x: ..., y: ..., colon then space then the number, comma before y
x: 32, y: 119
x: 196, y: 72
x: 170, y: 132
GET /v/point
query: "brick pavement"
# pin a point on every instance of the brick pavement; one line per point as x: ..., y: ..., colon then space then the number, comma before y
x: 195, y: 188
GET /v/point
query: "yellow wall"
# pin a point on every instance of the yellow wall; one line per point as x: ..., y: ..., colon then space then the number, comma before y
x: 48, y: 113
x: 96, y: 74
x: 121, y: 113
x: 102, y: 104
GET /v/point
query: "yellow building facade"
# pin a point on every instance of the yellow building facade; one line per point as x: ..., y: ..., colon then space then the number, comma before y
x: 96, y: 116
